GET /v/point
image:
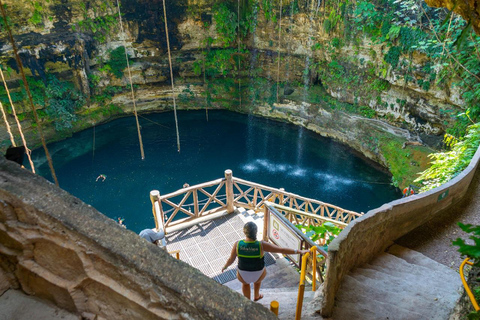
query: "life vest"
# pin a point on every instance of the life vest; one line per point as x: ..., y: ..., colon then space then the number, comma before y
x: 250, y: 256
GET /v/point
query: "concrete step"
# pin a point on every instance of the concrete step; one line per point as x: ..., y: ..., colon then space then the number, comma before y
x: 406, y: 285
x: 287, y: 299
x: 415, y: 257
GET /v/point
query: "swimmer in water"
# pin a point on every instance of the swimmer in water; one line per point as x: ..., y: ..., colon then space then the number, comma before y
x: 102, y: 176
x: 120, y: 222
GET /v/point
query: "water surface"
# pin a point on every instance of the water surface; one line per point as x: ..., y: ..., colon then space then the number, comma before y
x: 265, y: 151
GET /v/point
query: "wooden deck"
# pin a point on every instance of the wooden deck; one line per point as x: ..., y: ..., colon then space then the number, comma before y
x: 207, y: 245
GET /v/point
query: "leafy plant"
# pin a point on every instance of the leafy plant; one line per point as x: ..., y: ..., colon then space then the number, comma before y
x: 447, y: 165
x: 226, y: 23
x: 100, y: 26
x: 37, y: 15
x: 117, y: 62
x: 62, y: 102
x: 327, y: 231
x: 267, y: 6
x: 472, y: 251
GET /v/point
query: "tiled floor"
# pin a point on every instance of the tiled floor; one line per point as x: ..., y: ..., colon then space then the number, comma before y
x: 207, y: 246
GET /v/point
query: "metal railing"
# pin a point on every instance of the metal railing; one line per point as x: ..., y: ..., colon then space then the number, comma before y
x: 202, y: 201
x: 301, y: 286
x: 465, y: 284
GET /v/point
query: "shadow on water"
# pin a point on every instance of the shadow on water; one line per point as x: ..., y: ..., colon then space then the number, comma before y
x: 269, y: 152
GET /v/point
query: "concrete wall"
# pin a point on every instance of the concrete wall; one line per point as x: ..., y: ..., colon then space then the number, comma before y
x: 54, y: 246
x: 371, y: 234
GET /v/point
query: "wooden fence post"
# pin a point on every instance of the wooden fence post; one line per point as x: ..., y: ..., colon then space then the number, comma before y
x: 266, y: 219
x: 154, y: 197
x: 281, y: 196
x: 229, y: 190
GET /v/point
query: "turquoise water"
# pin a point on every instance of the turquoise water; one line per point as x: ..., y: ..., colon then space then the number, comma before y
x: 268, y: 152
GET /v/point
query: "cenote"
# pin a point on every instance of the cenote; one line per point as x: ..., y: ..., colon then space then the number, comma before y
x: 265, y: 151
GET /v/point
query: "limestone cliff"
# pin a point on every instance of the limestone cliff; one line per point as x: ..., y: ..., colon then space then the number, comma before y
x: 64, y: 42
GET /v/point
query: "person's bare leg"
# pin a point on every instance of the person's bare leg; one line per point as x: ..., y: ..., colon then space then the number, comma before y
x: 245, y: 286
x: 257, y: 284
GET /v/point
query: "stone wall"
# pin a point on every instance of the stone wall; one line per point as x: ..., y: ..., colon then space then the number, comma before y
x: 54, y: 246
x: 371, y: 234
x: 55, y: 44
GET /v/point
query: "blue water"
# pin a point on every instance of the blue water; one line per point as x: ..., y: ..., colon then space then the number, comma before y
x: 265, y: 151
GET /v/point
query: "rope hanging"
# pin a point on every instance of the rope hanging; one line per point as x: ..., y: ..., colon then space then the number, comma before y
x: 238, y: 33
x: 5, y: 116
x: 27, y: 88
x: 205, y: 89
x: 93, y: 144
x: 12, y: 140
x: 28, y: 151
x: 171, y: 76
x: 279, y: 41
x: 131, y: 84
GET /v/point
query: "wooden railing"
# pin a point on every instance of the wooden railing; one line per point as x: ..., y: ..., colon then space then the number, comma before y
x: 252, y: 195
x: 297, y: 217
x: 201, y: 202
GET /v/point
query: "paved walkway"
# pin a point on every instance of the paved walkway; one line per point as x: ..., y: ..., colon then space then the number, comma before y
x: 207, y: 246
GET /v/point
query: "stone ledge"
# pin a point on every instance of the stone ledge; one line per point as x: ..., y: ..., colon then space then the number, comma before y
x: 134, y: 274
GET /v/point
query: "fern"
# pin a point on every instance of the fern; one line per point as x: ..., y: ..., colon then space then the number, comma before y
x: 447, y: 165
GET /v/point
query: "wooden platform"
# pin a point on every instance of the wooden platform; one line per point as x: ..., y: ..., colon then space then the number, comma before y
x: 207, y: 246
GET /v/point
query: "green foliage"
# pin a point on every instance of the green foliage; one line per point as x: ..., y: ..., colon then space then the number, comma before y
x: 106, y: 94
x: 37, y: 15
x: 187, y: 95
x: 62, y: 102
x: 367, y: 18
x: 393, y: 56
x: 336, y: 43
x: 220, y: 62
x: 472, y: 251
x: 247, y: 17
x: 101, y: 25
x: 380, y: 85
x: 197, y: 68
x: 19, y: 96
x: 332, y: 22
x: 367, y: 112
x: 3, y: 28
x: 93, y: 80
x: 226, y: 23
x: 447, y: 165
x: 117, y: 61
x: 327, y: 231
x: 267, y: 6
x: 409, y: 37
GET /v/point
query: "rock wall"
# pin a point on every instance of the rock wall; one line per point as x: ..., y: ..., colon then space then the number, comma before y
x: 77, y: 42
x: 73, y: 40
x: 54, y: 246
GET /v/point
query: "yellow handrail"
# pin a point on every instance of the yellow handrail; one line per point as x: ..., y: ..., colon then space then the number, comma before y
x: 467, y: 288
x: 301, y: 286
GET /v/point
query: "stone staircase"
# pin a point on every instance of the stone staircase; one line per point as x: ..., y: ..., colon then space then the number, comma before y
x: 400, y: 284
x: 281, y: 284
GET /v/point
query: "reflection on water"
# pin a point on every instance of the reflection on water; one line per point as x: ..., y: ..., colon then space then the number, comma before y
x: 272, y: 153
